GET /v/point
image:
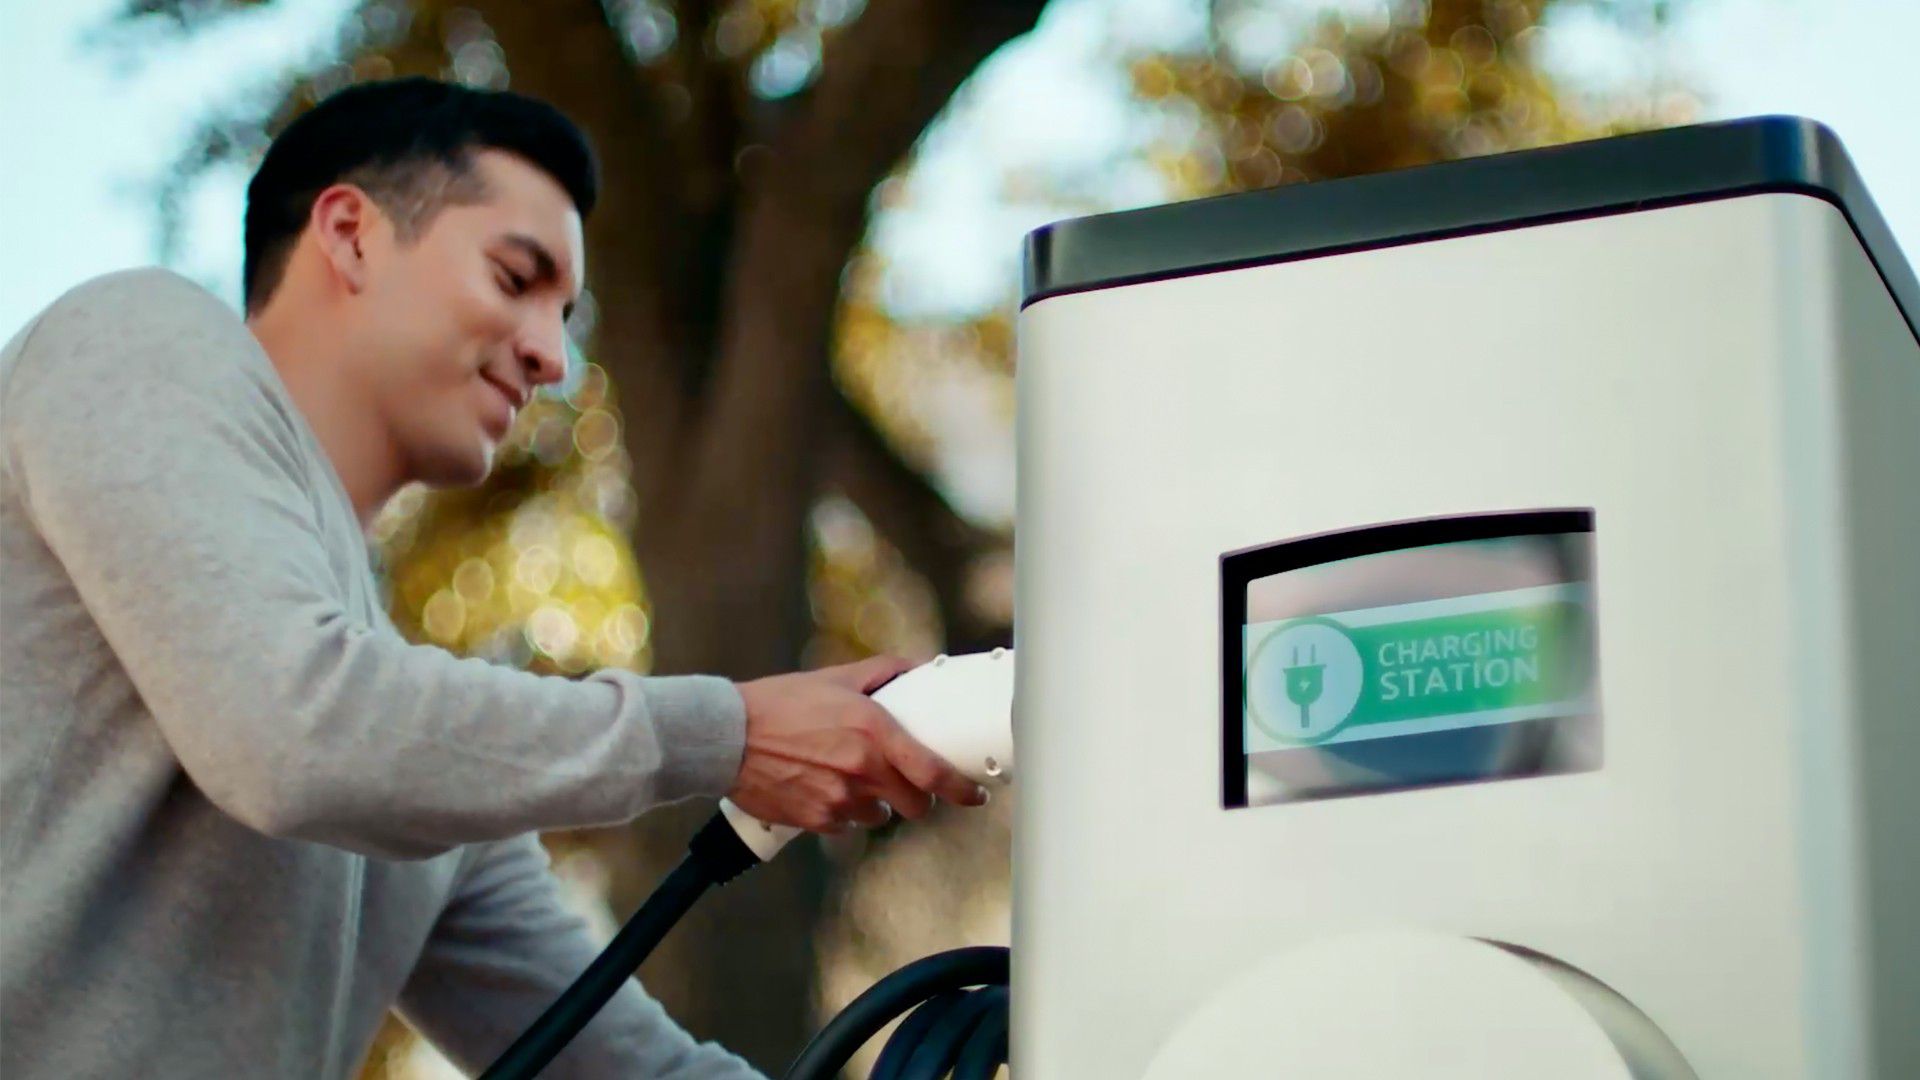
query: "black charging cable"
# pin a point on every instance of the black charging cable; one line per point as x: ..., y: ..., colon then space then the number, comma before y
x: 959, y: 998
x: 958, y: 1025
x: 715, y: 856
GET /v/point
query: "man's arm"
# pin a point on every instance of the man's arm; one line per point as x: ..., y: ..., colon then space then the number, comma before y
x: 505, y: 948
x: 165, y: 474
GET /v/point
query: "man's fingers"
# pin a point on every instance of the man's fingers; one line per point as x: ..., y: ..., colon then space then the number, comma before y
x: 961, y: 791
x: 869, y: 813
x: 866, y: 676
x: 929, y: 771
x: 884, y: 780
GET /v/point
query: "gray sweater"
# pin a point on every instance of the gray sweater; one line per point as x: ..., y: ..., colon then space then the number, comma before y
x: 240, y: 816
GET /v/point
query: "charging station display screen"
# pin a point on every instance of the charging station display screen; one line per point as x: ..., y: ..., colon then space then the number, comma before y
x: 1408, y: 655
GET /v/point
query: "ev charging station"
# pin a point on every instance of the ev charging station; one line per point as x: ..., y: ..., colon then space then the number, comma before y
x: 1468, y: 625
x: 1468, y: 628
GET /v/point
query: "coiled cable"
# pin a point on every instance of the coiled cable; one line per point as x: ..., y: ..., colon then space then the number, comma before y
x: 959, y: 1003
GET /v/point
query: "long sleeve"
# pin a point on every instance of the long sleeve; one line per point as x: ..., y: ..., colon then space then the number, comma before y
x: 158, y: 456
x: 504, y: 949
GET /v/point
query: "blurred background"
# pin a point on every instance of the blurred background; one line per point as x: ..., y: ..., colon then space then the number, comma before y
x: 813, y: 213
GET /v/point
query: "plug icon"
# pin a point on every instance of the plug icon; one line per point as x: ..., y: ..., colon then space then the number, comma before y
x: 1305, y: 682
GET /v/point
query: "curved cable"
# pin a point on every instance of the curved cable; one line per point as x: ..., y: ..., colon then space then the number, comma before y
x: 956, y: 969
x: 940, y: 1050
x: 907, y: 1036
x: 986, y: 1048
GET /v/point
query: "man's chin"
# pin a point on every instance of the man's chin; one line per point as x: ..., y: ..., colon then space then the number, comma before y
x: 470, y: 469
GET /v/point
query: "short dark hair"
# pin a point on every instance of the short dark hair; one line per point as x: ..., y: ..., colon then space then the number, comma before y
x: 409, y: 143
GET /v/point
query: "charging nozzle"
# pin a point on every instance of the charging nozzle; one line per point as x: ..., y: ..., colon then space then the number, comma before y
x: 764, y: 840
x: 960, y: 707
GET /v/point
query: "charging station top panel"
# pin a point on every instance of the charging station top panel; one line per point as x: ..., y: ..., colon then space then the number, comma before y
x: 1615, y: 175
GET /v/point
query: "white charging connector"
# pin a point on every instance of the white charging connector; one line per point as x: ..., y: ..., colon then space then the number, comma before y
x: 960, y: 707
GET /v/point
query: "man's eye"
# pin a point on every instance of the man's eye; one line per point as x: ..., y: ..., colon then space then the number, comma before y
x: 513, y: 283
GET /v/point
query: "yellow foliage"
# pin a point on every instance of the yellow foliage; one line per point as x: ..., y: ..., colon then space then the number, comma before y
x: 533, y: 568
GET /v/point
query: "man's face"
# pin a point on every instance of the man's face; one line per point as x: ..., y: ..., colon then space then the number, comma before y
x: 461, y: 323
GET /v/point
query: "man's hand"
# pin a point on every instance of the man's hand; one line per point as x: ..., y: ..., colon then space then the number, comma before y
x: 822, y: 754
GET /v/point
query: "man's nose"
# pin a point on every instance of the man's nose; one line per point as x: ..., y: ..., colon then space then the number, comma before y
x: 543, y: 354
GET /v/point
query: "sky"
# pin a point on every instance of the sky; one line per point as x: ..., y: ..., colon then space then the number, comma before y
x: 88, y: 130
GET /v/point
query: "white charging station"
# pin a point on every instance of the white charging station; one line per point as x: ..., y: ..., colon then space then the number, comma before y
x: 1468, y: 625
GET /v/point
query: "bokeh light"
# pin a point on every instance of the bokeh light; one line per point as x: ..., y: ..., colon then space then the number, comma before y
x: 535, y: 568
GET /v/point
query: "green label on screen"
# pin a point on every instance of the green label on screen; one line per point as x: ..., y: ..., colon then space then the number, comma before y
x: 1434, y: 665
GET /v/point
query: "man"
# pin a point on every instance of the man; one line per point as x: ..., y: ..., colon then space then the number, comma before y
x: 240, y: 817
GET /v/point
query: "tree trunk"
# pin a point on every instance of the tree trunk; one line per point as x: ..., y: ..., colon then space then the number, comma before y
x: 721, y: 366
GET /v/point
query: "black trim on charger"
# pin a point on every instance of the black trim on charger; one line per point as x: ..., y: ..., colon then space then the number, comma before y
x: 1596, y: 178
x: 1246, y: 565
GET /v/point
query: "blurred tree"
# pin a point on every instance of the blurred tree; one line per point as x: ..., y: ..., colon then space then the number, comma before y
x: 1427, y: 82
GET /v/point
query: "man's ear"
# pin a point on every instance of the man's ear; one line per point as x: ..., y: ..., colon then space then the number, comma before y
x: 342, y: 219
